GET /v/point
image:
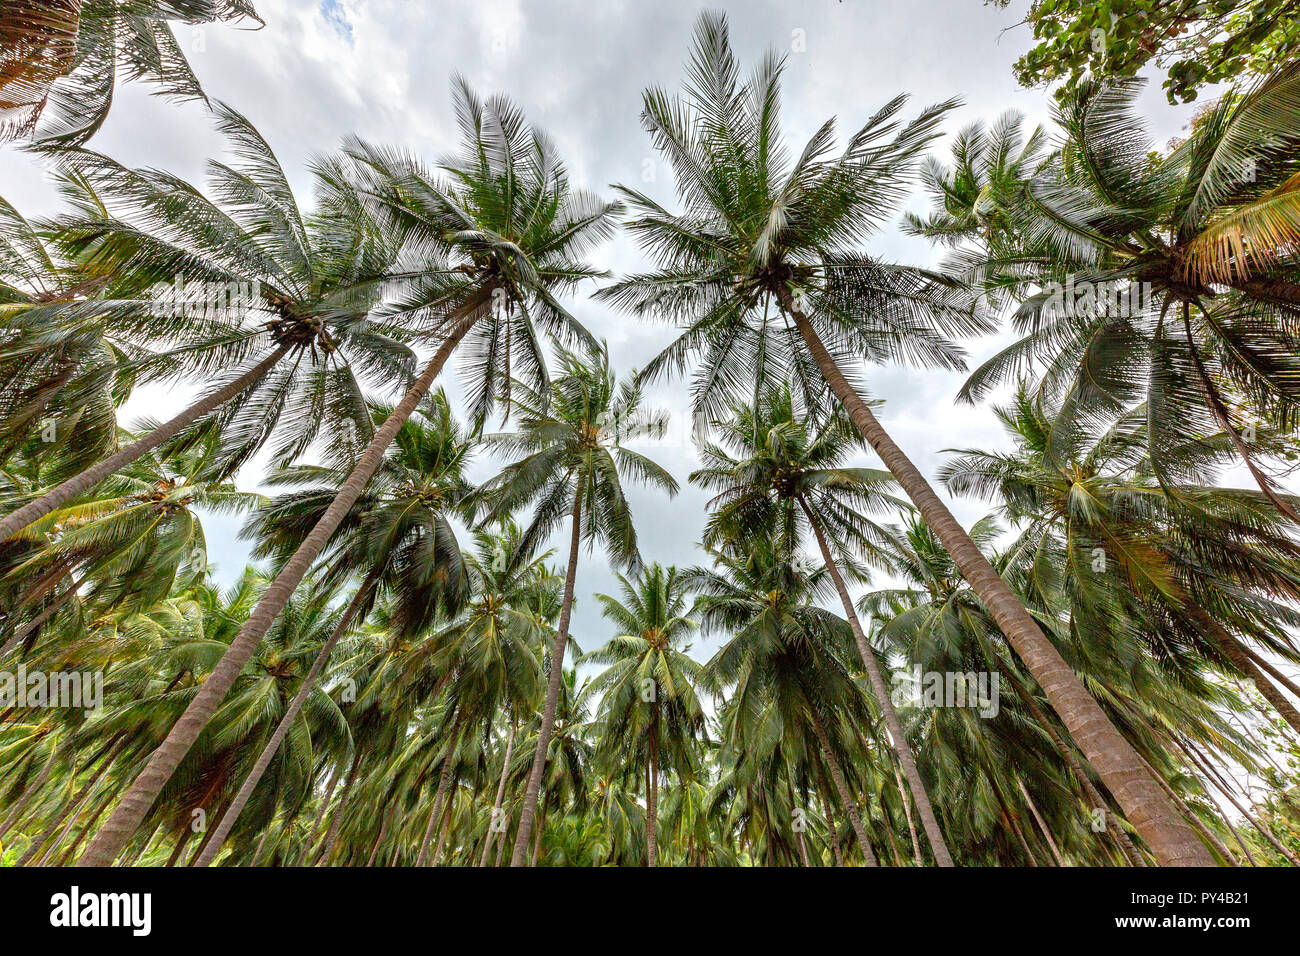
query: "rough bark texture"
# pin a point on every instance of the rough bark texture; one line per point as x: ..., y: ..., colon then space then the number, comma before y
x: 237, y: 805
x: 62, y: 494
x: 1145, y: 805
x: 923, y: 808
x: 112, y: 837
x: 526, y: 815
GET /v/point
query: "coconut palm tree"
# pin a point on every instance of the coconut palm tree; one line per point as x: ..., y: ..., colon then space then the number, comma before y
x: 244, y: 283
x: 398, y: 539
x: 571, y: 451
x: 496, y: 238
x: 787, y: 660
x: 650, y: 717
x: 1200, y: 244
x: 774, y: 470
x: 60, y: 60
x: 760, y: 268
x: 1198, y: 570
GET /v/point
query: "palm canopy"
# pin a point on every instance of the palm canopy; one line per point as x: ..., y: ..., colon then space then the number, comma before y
x: 399, y: 536
x: 499, y: 220
x: 571, y: 451
x: 204, y: 286
x: 647, y: 689
x: 1201, y: 244
x: 771, y: 466
x: 758, y: 230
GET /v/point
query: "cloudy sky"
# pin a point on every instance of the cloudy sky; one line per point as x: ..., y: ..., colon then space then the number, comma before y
x: 380, y: 69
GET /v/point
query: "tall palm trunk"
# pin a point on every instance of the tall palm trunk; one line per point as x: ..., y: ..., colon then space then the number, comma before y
x: 937, y: 844
x: 552, y: 694
x: 112, y: 837
x: 336, y: 819
x: 320, y: 815
x: 501, y: 794
x: 846, y: 798
x: 1042, y: 825
x: 65, y: 492
x: 652, y: 797
x: 1115, y: 760
x: 236, y: 807
x: 907, y: 812
x: 444, y: 784
x: 1094, y: 797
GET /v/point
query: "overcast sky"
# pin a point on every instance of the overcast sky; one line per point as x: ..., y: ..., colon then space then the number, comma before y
x: 380, y: 69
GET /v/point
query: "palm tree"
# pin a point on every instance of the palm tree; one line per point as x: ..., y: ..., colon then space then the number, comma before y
x: 1202, y: 244
x: 787, y: 660
x: 507, y: 212
x: 760, y: 233
x: 398, y: 538
x: 649, y: 716
x: 251, y: 284
x: 1199, y: 567
x: 571, y: 450
x: 59, y: 60
x: 790, y: 475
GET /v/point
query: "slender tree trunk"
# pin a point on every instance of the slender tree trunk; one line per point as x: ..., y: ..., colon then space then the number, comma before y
x: 74, y: 804
x: 89, y: 826
x: 264, y: 759
x: 1269, y: 669
x: 652, y: 799
x: 501, y: 794
x: 383, y: 832
x: 320, y: 814
x: 907, y: 810
x: 1143, y: 802
x: 444, y: 784
x: 846, y: 798
x: 442, y: 836
x: 1206, y: 833
x: 897, y: 738
x: 144, y: 790
x: 336, y: 820
x: 1066, y: 751
x: 74, y: 486
x: 552, y: 693
x: 183, y: 839
x: 1042, y: 825
x: 834, y: 830
x: 1268, y: 834
x: 1246, y: 663
x: 541, y: 829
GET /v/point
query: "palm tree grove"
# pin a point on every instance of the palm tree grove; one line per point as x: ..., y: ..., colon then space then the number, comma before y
x: 657, y: 438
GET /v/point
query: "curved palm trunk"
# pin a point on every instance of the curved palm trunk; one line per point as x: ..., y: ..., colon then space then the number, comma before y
x: 320, y: 815
x: 444, y: 784
x: 112, y: 837
x: 336, y: 820
x: 529, y: 810
x: 237, y: 805
x: 1042, y: 826
x: 1143, y: 802
x: 501, y: 794
x: 65, y: 492
x: 907, y: 811
x: 1094, y: 796
x: 846, y: 798
x: 652, y: 799
x: 923, y: 808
